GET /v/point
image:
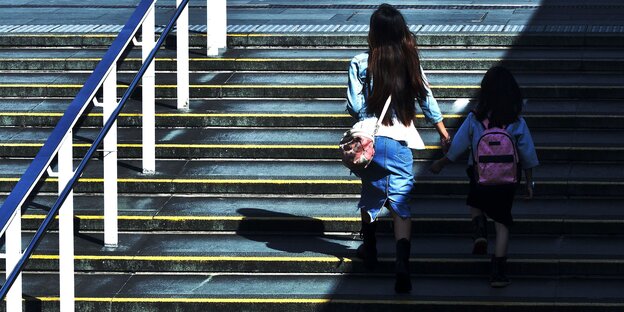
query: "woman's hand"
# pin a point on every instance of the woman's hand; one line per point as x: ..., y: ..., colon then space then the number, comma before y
x: 445, y: 138
x: 445, y: 142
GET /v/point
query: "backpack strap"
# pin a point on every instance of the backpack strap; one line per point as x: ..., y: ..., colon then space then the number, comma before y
x: 383, y: 114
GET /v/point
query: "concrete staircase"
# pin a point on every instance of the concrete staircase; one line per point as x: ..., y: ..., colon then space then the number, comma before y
x: 251, y: 210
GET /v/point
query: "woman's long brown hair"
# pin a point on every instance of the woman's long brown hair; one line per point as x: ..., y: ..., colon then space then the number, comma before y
x: 394, y: 65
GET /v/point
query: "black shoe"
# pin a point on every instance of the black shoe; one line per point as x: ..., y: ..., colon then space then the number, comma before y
x: 479, y: 226
x: 403, y: 283
x: 368, y: 250
x: 498, y: 278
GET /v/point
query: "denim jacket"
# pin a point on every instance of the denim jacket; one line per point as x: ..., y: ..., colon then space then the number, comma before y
x: 469, y: 133
x: 357, y: 93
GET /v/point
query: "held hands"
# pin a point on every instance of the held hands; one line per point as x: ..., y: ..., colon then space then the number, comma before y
x: 445, y: 142
x: 438, y: 165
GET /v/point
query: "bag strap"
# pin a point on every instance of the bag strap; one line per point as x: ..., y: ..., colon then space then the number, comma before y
x: 383, y: 114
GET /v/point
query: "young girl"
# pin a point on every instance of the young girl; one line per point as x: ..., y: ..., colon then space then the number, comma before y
x: 392, y: 62
x: 500, y: 105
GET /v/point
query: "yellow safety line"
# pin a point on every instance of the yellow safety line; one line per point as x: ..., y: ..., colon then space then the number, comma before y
x: 278, y: 182
x: 269, y: 181
x: 200, y: 218
x: 331, y: 300
x: 246, y: 86
x: 284, y: 146
x: 277, y: 115
x: 197, y: 258
x: 62, y: 35
x: 269, y: 60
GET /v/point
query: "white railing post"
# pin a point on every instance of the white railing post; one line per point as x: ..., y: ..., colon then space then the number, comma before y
x: 216, y: 33
x: 148, y: 96
x: 66, y: 226
x: 109, y: 103
x: 13, y: 243
x: 182, y: 49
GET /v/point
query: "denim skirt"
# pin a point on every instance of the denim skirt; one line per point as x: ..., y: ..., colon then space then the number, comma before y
x: 388, y: 180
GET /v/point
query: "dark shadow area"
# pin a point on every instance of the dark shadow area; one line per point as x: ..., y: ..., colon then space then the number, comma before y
x: 129, y: 166
x: 32, y: 304
x: 268, y: 224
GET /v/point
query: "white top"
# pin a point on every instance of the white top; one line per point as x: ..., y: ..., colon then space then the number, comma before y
x: 397, y: 131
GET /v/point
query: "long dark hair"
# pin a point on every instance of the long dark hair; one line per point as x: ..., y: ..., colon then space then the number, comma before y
x: 394, y: 65
x: 500, y: 99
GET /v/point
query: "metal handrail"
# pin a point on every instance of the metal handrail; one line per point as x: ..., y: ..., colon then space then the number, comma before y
x: 47, y: 153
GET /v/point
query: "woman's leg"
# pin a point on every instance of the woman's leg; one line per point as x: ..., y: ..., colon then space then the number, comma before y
x: 368, y: 250
x: 402, y: 227
x: 402, y: 234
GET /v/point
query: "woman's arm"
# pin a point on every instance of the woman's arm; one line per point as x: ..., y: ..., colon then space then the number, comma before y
x: 432, y: 113
x: 355, y: 88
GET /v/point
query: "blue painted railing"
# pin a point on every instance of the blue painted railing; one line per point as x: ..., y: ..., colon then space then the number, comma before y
x: 44, y: 158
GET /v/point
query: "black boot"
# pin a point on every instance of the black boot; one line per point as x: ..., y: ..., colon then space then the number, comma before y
x: 368, y: 250
x: 479, y: 226
x: 498, y: 278
x: 403, y: 282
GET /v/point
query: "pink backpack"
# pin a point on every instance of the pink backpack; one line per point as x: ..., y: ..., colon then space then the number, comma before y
x: 495, y: 157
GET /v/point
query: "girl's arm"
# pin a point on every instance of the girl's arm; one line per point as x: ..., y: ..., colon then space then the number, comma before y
x: 461, y: 142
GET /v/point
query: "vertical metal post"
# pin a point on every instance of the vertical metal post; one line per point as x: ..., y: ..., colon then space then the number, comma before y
x: 148, y: 97
x: 13, y: 243
x: 216, y: 26
x: 182, y: 46
x: 109, y: 104
x: 66, y: 226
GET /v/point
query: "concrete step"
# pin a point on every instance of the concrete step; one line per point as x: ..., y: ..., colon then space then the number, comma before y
x: 298, y: 143
x: 320, y: 214
x: 556, y: 39
x: 533, y: 255
x: 285, y: 292
x: 526, y: 59
x: 312, y: 85
x: 314, y: 177
x: 539, y: 113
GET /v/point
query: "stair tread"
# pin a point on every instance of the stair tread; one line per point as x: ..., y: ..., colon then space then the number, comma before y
x: 437, y: 79
x: 307, y: 208
x: 463, y: 289
x: 335, y: 54
x: 306, y: 106
x: 318, y: 245
x: 323, y: 171
x: 297, y: 137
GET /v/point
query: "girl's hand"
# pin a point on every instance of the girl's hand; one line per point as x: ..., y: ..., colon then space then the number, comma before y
x: 436, y: 167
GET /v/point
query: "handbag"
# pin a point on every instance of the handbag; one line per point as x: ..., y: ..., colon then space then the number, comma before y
x: 358, y: 144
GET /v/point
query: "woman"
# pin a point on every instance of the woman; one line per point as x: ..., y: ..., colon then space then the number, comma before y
x: 393, y: 64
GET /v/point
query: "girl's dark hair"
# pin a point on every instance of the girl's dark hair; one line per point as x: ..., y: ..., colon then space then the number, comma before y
x: 500, y: 99
x: 394, y: 65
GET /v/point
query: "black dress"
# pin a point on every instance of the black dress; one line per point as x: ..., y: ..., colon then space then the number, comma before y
x: 494, y: 200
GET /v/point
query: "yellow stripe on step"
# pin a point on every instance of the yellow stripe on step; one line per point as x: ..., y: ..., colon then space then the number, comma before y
x: 358, y: 302
x: 196, y: 258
